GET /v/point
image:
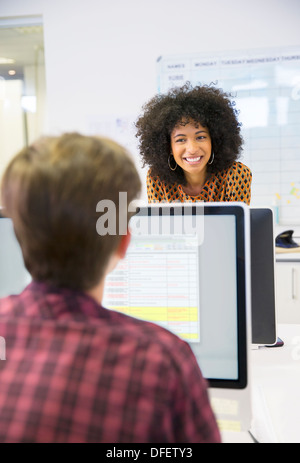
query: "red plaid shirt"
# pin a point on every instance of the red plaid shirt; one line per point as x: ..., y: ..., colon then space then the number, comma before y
x: 76, y: 372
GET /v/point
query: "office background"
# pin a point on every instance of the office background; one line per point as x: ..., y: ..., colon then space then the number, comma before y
x: 101, y: 57
x: 101, y: 66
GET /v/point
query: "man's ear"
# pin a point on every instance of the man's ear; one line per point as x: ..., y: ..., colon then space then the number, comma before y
x: 123, y: 245
x: 119, y: 253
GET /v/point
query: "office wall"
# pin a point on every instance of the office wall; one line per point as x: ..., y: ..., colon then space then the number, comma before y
x: 101, y: 55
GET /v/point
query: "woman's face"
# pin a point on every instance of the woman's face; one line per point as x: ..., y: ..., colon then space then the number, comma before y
x: 191, y: 147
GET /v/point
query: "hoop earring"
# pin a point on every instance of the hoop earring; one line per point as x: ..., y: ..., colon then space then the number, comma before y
x: 169, y: 163
x: 213, y: 158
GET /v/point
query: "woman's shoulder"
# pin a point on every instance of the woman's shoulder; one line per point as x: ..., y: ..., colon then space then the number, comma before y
x: 155, y: 188
x: 160, y: 191
x: 238, y: 169
x: 153, y: 179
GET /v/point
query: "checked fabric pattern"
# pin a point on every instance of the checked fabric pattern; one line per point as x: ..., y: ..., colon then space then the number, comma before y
x: 76, y: 372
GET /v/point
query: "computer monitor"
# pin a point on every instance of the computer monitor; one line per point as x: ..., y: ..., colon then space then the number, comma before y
x: 187, y: 269
x: 13, y: 274
x: 263, y: 277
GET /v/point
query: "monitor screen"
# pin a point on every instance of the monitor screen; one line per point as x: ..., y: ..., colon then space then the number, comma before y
x: 186, y: 270
x: 13, y: 274
x: 262, y: 277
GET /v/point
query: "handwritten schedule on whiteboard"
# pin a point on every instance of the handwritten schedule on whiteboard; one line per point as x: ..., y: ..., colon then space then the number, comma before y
x: 265, y: 86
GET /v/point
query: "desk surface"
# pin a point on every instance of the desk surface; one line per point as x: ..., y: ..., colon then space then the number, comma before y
x: 288, y: 257
x: 276, y: 388
x: 275, y: 385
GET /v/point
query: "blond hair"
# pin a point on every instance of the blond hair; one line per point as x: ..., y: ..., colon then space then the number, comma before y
x: 50, y: 190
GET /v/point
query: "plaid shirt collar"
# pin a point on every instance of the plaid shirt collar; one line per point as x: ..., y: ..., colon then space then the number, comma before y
x: 59, y: 303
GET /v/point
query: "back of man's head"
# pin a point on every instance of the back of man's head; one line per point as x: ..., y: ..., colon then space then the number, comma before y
x: 51, y: 190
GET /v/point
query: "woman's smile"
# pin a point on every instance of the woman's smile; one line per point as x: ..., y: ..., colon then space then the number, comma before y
x: 193, y: 160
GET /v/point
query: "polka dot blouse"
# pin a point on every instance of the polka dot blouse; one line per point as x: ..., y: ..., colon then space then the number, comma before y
x: 232, y: 184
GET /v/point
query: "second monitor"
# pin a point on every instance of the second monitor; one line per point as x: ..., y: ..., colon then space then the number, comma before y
x: 263, y: 293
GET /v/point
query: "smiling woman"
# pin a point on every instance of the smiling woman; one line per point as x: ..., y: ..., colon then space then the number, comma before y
x: 190, y: 140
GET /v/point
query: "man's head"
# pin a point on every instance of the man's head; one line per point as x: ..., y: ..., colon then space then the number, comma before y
x: 51, y: 190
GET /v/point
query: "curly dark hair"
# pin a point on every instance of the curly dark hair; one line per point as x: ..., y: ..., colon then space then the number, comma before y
x: 207, y: 105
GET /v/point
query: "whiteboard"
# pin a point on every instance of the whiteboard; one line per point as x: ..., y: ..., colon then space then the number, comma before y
x: 265, y: 85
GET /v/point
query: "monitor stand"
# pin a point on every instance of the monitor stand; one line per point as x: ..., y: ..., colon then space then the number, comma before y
x: 278, y: 343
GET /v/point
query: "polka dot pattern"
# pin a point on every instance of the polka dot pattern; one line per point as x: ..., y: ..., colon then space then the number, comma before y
x: 232, y: 184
